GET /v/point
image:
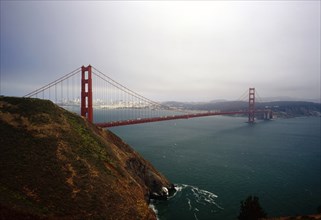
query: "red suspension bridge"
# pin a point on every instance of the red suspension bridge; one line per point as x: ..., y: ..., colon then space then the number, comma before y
x: 87, y: 89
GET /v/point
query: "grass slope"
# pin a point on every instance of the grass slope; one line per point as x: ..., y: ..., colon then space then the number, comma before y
x: 54, y: 164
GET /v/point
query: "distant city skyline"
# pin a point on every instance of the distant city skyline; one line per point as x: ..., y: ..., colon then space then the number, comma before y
x: 166, y: 51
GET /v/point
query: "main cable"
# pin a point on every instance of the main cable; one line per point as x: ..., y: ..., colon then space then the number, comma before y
x: 49, y: 85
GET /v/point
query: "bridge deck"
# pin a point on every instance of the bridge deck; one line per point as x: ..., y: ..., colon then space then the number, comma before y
x: 167, y: 118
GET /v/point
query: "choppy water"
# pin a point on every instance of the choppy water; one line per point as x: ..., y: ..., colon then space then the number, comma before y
x: 218, y: 161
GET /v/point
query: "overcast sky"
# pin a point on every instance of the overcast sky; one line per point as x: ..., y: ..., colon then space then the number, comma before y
x: 184, y: 51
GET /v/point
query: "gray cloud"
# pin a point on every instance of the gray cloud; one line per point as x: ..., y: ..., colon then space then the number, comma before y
x: 189, y: 50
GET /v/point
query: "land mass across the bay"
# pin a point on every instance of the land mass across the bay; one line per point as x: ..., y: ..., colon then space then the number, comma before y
x: 280, y: 109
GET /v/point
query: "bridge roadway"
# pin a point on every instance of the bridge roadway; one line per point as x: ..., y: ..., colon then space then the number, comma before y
x: 167, y: 118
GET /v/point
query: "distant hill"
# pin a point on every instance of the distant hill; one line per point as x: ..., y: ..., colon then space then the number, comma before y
x: 55, y: 165
x: 280, y: 108
x: 292, y: 99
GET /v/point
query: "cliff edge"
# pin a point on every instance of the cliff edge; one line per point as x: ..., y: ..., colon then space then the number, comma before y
x: 56, y: 165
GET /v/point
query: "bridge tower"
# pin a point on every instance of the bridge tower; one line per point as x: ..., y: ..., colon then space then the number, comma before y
x: 251, y: 105
x: 86, y: 93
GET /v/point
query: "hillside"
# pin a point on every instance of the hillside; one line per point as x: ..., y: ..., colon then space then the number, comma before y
x: 282, y: 109
x: 53, y: 164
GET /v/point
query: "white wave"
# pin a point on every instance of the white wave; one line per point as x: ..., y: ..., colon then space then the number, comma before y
x: 179, y: 188
x: 218, y: 206
x: 202, y: 196
x: 152, y: 207
x: 189, y: 203
x: 194, y: 196
x: 195, y: 216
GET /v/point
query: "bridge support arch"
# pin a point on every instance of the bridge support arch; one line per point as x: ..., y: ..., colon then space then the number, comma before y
x: 251, y: 105
x: 86, y: 93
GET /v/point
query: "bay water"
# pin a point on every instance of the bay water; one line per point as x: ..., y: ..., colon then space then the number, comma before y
x: 218, y: 161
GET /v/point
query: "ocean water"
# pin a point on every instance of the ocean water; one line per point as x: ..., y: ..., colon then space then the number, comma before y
x: 218, y: 161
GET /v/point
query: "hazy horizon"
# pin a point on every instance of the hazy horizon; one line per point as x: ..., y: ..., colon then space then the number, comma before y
x: 167, y: 51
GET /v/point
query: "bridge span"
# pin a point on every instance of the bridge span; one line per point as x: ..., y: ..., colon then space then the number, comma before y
x: 174, y: 117
x: 111, y: 93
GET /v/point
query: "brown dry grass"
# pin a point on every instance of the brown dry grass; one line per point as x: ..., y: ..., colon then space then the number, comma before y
x: 56, y: 165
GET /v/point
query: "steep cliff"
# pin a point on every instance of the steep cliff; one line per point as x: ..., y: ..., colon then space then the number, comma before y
x: 54, y: 164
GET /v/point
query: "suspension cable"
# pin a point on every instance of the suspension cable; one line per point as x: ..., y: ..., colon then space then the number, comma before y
x: 68, y: 75
x: 134, y: 94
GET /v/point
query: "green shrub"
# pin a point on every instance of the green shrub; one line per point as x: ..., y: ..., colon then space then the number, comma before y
x: 251, y: 209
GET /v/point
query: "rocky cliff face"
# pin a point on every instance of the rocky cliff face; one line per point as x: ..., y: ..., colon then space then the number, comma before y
x: 54, y: 164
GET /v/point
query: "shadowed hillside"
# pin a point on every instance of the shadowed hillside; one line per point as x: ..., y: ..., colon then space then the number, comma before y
x: 53, y: 164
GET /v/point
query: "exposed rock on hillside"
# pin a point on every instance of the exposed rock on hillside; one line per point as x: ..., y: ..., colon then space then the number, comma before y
x: 53, y: 164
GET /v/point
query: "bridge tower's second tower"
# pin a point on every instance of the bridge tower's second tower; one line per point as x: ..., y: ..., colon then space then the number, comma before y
x: 251, y: 105
x: 86, y: 93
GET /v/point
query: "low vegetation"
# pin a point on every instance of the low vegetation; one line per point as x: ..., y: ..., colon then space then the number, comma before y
x: 250, y: 209
x: 54, y: 164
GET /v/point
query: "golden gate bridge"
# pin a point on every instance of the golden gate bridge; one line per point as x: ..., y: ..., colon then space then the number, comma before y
x: 90, y: 90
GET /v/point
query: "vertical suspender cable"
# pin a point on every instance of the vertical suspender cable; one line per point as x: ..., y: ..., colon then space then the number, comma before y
x: 68, y: 90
